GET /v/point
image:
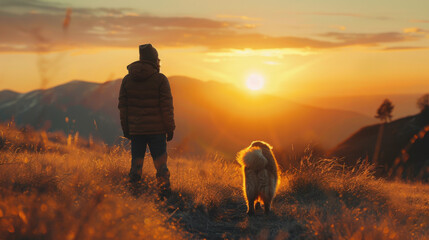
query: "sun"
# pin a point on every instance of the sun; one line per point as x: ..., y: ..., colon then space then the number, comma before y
x: 255, y: 82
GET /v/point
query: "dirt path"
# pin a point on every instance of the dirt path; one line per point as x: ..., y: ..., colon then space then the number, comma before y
x: 229, y: 220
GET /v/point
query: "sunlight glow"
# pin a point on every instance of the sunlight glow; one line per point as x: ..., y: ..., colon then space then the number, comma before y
x: 255, y: 82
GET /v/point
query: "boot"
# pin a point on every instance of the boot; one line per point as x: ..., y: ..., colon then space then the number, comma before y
x: 162, y: 177
x: 136, y: 170
x: 135, y: 176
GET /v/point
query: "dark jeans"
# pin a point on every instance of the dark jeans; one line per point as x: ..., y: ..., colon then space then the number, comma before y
x: 158, y: 149
x: 157, y: 145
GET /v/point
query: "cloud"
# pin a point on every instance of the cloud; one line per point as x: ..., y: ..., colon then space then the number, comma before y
x: 404, y: 48
x: 247, y: 18
x: 271, y: 52
x: 127, y: 31
x: 419, y: 21
x: 25, y: 5
x: 38, y: 6
x: 368, y: 39
x: 339, y: 27
x: 101, y: 27
x: 415, y: 30
x: 341, y: 14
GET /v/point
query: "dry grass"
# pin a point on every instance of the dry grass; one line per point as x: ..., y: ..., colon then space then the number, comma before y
x: 76, y: 193
x: 62, y: 191
x: 338, y: 203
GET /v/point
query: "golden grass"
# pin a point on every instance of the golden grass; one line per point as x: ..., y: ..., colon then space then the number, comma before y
x: 339, y: 203
x: 73, y: 193
x: 62, y: 191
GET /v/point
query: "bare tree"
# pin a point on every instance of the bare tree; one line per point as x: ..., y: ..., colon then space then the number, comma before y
x: 384, y: 112
x: 423, y: 102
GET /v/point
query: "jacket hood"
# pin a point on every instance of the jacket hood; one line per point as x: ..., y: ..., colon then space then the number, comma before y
x: 141, y: 69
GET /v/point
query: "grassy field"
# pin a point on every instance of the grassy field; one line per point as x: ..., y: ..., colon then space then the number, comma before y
x: 54, y: 187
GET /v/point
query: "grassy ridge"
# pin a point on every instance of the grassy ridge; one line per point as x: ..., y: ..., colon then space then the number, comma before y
x: 58, y: 189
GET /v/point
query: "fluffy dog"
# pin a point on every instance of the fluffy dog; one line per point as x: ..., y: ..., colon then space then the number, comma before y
x: 260, y: 174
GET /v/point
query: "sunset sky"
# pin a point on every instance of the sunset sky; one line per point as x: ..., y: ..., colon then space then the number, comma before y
x: 301, y: 48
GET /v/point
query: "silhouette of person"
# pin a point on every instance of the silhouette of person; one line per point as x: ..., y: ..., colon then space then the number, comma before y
x: 147, y: 116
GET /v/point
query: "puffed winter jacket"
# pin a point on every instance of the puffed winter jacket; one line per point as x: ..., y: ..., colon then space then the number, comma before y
x: 145, y: 101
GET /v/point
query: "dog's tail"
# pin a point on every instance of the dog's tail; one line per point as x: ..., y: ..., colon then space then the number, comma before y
x: 252, y: 158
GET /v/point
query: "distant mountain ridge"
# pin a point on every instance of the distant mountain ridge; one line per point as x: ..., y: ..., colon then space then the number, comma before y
x: 75, y: 100
x: 405, y: 104
x: 210, y: 116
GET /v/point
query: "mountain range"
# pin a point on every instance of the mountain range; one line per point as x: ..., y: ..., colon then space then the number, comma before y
x: 404, y: 104
x: 210, y: 116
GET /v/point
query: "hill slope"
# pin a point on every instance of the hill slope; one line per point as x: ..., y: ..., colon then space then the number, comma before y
x: 210, y: 116
x: 404, y: 148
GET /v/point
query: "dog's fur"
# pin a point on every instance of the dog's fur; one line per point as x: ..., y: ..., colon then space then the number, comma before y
x: 260, y: 172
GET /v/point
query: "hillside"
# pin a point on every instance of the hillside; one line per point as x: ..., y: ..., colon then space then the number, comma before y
x: 404, y: 150
x: 208, y: 115
x: 56, y: 189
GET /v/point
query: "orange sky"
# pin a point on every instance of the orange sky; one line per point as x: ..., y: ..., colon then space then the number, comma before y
x: 302, y: 49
